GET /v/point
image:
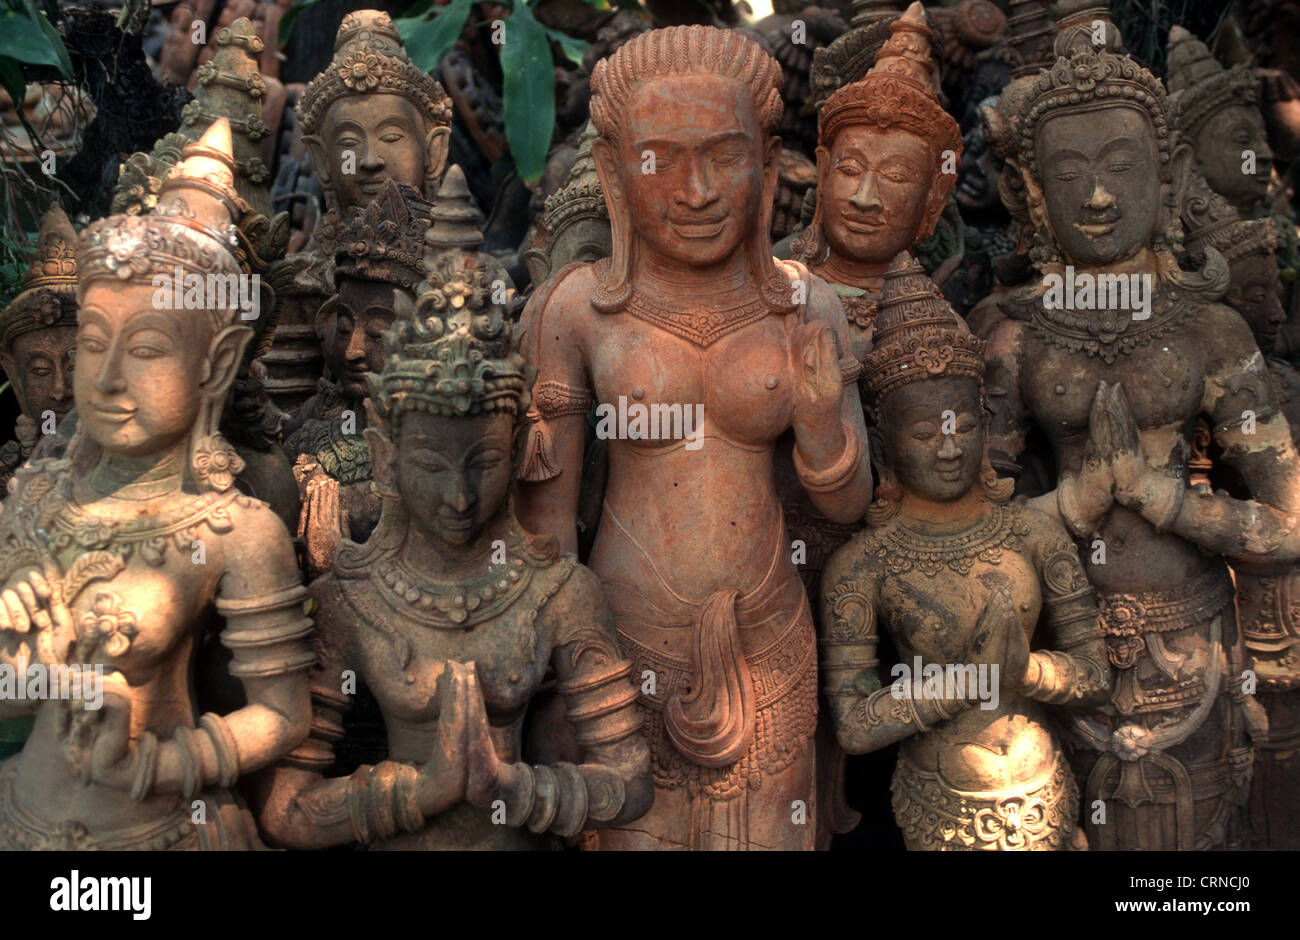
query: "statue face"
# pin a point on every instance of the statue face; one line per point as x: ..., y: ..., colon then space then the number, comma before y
x: 875, y: 188
x: 703, y: 197
x: 1220, y: 146
x: 139, y: 369
x: 42, y: 370
x: 454, y: 474
x: 1255, y: 291
x: 977, y: 175
x: 1099, y: 173
x: 385, y: 136
x: 585, y: 239
x: 363, y: 314
x: 933, y: 465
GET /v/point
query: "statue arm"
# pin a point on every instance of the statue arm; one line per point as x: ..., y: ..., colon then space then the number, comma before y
x: 865, y: 716
x: 550, y: 474
x: 1009, y: 417
x: 612, y: 786
x: 1076, y: 671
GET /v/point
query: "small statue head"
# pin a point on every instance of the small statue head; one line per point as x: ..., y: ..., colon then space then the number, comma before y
x: 1254, y: 284
x: 689, y: 192
x: 575, y: 225
x: 444, y: 429
x: 925, y: 379
x: 159, y: 337
x: 888, y: 156
x: 1092, y: 139
x: 38, y: 330
x: 1217, y: 111
x: 377, y: 266
x: 373, y: 116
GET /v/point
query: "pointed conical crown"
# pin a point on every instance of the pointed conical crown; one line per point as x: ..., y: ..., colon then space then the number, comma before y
x: 192, y: 227
x: 581, y: 196
x: 918, y: 336
x: 1212, y: 222
x: 849, y: 57
x: 369, y: 59
x: 1201, y: 85
x: 49, y: 286
x: 456, y: 220
x: 898, y: 91
x: 384, y: 239
x: 455, y: 351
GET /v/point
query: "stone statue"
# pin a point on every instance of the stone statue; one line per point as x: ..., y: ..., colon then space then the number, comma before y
x: 575, y: 225
x: 381, y: 245
x: 691, y: 316
x: 451, y: 614
x: 1104, y: 174
x: 370, y: 116
x: 960, y: 577
x: 38, y: 336
x: 116, y: 557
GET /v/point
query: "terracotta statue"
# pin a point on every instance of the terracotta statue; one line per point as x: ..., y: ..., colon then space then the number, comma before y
x: 692, y: 316
x: 38, y: 335
x: 960, y: 577
x: 117, y: 556
x: 1104, y: 174
x: 381, y: 245
x: 370, y: 116
x: 451, y: 614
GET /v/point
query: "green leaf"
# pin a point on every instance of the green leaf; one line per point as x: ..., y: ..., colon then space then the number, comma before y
x: 21, y: 39
x: 56, y: 43
x: 289, y: 18
x: 528, y: 92
x: 427, y: 41
x: 11, y: 78
x: 572, y: 47
x: 418, y: 9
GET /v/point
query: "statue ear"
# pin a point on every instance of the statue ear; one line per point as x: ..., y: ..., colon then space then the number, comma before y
x: 602, y: 153
x: 225, y: 353
x: 1180, y: 172
x: 539, y: 268
x: 437, y: 146
x: 823, y: 166
x: 319, y: 158
x: 876, y: 447
x: 11, y: 373
x: 383, y: 453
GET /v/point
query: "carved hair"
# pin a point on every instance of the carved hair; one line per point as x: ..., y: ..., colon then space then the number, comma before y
x: 664, y: 53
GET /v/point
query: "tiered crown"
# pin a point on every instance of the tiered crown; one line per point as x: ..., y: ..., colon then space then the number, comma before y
x: 581, y: 196
x: 1212, y: 222
x: 898, y: 91
x: 1202, y: 86
x: 455, y: 352
x: 918, y: 336
x: 193, y: 225
x: 384, y: 239
x: 369, y: 58
x: 49, y: 286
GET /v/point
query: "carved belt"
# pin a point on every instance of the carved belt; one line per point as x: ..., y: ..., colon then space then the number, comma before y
x: 936, y: 816
x: 1268, y: 609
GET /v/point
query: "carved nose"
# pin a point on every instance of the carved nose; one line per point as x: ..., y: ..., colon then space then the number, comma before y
x: 1100, y: 198
x: 949, y: 448
x: 867, y: 196
x: 110, y: 378
x: 356, y: 345
x: 372, y: 160
x: 460, y: 498
x: 697, y: 193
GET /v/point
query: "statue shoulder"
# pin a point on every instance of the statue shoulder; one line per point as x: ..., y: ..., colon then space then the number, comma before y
x: 858, y: 558
x: 257, y: 547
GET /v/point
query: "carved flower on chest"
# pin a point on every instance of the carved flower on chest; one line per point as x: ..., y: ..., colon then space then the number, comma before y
x: 110, y: 625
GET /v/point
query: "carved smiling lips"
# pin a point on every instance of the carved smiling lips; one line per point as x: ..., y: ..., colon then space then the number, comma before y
x: 701, y: 226
x: 863, y: 224
x: 1096, y: 226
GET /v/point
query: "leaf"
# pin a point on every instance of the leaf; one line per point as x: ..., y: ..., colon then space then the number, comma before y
x: 24, y: 41
x: 56, y: 43
x: 289, y: 18
x: 92, y: 566
x: 427, y: 41
x: 528, y: 92
x: 418, y: 9
x: 572, y: 47
x: 11, y: 78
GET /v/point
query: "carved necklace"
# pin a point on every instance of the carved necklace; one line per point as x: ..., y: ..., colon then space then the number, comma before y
x: 1107, y: 334
x: 902, y: 548
x: 702, y: 325
x: 452, y: 606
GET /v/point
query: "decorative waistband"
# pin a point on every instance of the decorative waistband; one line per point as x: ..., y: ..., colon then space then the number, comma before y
x: 1039, y: 815
x: 1178, y: 608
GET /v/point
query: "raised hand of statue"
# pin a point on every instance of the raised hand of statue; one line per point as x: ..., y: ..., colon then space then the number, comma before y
x: 1135, y: 483
x: 98, y: 743
x: 999, y: 640
x: 35, y: 600
x: 444, y: 776
x: 487, y: 772
x: 817, y: 391
x: 1086, y: 492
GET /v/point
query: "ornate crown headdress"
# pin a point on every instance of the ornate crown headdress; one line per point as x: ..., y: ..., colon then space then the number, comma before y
x: 384, y: 239
x: 1212, y: 222
x: 898, y: 91
x: 455, y: 352
x: 49, y: 286
x: 581, y: 196
x: 1199, y: 85
x: 849, y: 57
x: 192, y: 227
x: 369, y: 58
x: 918, y: 336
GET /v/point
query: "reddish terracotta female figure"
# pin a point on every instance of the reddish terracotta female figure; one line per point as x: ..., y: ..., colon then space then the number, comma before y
x: 691, y: 313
